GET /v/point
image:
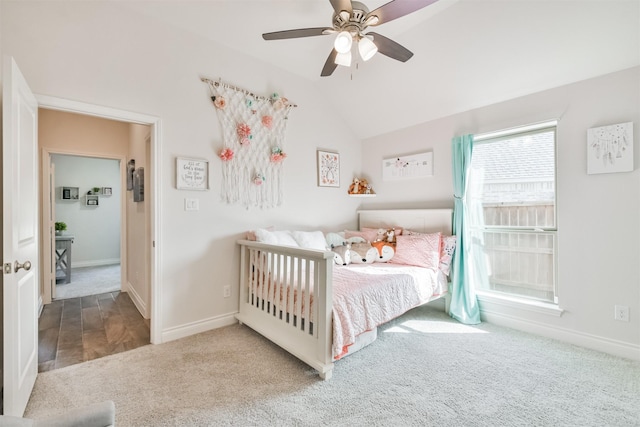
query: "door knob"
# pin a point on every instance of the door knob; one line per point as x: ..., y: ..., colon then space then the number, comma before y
x: 17, y: 266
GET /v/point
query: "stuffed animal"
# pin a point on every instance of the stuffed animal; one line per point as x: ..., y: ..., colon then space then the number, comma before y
x: 335, y: 239
x: 354, y: 188
x: 385, y: 250
x: 360, y: 186
x: 391, y: 236
x: 341, y: 254
x: 363, y: 253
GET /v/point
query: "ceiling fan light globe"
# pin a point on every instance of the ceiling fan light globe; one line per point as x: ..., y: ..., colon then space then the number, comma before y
x: 343, y: 42
x: 343, y: 59
x: 366, y: 48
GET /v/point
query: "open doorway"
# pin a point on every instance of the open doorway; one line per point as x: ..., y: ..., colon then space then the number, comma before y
x: 106, y: 248
x: 87, y: 218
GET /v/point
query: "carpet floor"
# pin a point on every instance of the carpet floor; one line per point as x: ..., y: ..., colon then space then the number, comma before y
x: 425, y: 369
x: 90, y: 281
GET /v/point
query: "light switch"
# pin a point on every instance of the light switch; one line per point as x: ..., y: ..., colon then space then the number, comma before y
x: 191, y: 204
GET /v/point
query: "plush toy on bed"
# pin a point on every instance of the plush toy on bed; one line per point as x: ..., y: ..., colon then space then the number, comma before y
x: 385, y: 250
x: 342, y: 254
x: 335, y: 239
x: 363, y: 253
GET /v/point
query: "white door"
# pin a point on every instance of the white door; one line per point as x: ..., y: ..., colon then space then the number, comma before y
x: 20, y: 238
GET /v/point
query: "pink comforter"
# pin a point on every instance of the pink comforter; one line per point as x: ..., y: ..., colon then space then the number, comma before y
x: 368, y: 295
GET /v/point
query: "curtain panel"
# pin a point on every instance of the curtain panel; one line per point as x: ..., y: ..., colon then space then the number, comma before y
x: 464, y: 304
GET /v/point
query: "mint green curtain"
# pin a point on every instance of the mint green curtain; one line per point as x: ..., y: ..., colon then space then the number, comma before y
x: 464, y: 304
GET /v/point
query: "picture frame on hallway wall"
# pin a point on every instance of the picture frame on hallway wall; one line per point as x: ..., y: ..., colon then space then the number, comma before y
x: 610, y: 149
x: 328, y: 168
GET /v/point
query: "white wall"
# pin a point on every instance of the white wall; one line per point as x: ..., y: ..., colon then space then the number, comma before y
x: 96, y: 229
x: 101, y: 53
x: 598, y: 226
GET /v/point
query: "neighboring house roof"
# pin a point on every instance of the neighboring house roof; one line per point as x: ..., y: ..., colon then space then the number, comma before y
x: 516, y: 170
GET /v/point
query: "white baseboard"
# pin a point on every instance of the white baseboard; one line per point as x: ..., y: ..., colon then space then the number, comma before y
x: 96, y: 262
x: 193, y: 328
x: 140, y: 304
x: 594, y: 342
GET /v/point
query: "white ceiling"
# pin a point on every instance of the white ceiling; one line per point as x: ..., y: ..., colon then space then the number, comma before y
x: 467, y: 53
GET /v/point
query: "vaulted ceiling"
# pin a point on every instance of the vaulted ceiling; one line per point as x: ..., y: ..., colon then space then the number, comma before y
x: 467, y: 53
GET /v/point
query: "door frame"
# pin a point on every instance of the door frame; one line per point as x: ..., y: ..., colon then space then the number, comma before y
x: 48, y: 273
x: 153, y: 189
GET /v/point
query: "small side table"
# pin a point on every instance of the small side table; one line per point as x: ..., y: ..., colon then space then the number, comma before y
x: 63, y: 259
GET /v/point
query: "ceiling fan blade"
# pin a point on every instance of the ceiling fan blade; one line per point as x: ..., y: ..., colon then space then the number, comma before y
x: 397, y: 9
x: 330, y: 65
x: 340, y: 5
x: 390, y: 48
x: 293, y: 34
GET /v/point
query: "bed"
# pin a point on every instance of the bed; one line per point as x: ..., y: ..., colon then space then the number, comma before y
x: 318, y: 311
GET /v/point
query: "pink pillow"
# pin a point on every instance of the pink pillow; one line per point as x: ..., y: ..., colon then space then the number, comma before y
x: 447, y: 247
x: 419, y: 250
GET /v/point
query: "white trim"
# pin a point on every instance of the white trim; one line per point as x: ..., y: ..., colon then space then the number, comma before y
x: 594, y: 342
x: 137, y: 300
x: 515, y: 130
x: 520, y: 303
x: 193, y: 328
x: 54, y: 103
x: 96, y: 263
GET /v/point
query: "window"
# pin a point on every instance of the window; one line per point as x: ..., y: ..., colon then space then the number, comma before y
x: 511, y: 205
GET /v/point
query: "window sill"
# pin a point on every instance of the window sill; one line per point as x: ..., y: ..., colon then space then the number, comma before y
x: 520, y: 304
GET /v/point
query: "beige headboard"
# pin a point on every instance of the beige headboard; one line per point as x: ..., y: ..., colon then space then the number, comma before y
x: 421, y: 220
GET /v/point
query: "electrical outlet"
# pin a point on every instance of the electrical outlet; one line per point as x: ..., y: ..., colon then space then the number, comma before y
x: 227, y: 291
x: 621, y: 313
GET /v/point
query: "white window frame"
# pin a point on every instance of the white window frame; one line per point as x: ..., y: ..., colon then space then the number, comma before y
x: 515, y: 301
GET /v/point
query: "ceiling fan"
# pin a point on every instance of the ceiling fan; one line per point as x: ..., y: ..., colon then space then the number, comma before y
x: 350, y: 21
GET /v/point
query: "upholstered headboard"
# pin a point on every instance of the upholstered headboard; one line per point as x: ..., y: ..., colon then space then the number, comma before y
x: 421, y: 220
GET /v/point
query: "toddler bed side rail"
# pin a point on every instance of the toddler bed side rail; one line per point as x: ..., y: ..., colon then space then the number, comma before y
x: 286, y: 296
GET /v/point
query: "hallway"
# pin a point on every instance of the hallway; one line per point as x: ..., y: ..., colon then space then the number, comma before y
x: 80, y: 329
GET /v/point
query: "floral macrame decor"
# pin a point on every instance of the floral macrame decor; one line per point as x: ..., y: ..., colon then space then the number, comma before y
x: 253, y: 135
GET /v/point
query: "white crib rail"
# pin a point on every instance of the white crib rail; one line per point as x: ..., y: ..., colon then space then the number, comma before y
x: 286, y: 296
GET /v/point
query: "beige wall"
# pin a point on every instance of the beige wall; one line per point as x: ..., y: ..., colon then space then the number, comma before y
x: 598, y: 226
x: 138, y: 224
x: 81, y: 134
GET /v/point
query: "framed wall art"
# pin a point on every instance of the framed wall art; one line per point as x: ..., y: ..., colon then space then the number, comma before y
x: 192, y: 174
x: 328, y: 169
x: 407, y: 167
x: 610, y: 148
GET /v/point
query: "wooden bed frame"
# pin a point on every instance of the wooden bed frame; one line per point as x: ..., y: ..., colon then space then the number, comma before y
x: 298, y: 268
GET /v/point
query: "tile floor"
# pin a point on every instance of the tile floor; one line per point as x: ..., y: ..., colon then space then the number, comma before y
x: 79, y: 329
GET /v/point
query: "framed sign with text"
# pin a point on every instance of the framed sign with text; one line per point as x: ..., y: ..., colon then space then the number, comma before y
x: 192, y: 174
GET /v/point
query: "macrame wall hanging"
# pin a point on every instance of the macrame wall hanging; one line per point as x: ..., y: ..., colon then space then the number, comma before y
x: 252, y: 157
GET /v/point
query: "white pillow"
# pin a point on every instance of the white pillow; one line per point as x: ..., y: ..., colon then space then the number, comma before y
x: 283, y: 237
x: 310, y: 239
